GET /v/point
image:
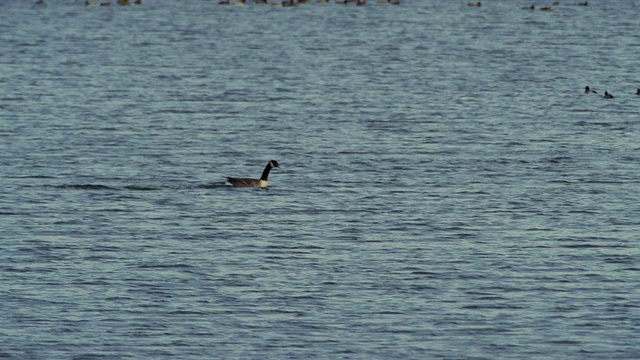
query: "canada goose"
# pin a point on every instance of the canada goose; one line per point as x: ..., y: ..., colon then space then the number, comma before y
x: 607, y: 95
x: 588, y: 90
x: 261, y: 183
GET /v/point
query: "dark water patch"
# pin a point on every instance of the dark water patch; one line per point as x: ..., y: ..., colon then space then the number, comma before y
x: 88, y: 187
x: 164, y: 266
x: 94, y: 283
x: 141, y: 188
x: 33, y: 177
x: 177, y: 111
x: 565, y: 342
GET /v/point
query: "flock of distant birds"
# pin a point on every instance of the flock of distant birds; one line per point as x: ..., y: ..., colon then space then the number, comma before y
x: 298, y: 2
x: 606, y: 95
x: 108, y: 3
x: 365, y: 2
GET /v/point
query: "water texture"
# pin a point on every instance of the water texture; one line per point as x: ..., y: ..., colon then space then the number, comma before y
x: 446, y: 189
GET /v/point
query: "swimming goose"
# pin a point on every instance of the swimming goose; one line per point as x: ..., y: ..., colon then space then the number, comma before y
x: 588, y: 90
x: 607, y: 95
x: 477, y: 4
x: 261, y: 183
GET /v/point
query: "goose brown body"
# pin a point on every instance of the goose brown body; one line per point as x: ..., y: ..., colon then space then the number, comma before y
x: 263, y: 182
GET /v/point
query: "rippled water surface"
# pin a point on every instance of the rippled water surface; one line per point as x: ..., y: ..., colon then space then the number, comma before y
x: 446, y: 189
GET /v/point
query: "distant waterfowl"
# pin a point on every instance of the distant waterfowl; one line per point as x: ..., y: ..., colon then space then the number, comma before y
x: 476, y: 4
x: 547, y: 8
x: 124, y: 3
x: 362, y: 2
x: 588, y: 90
x: 528, y: 7
x: 95, y: 3
x: 586, y: 3
x: 138, y: 2
x: 607, y: 95
x: 638, y: 92
x: 259, y: 183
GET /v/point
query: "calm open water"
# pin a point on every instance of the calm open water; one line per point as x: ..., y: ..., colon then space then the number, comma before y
x: 447, y: 190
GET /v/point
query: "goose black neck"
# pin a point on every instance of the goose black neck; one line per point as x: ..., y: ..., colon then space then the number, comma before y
x: 265, y: 173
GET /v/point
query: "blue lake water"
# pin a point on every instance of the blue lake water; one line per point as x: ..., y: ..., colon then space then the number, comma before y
x: 446, y: 189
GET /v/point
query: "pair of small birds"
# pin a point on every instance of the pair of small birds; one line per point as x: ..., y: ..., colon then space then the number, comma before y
x: 607, y: 95
x: 263, y: 182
